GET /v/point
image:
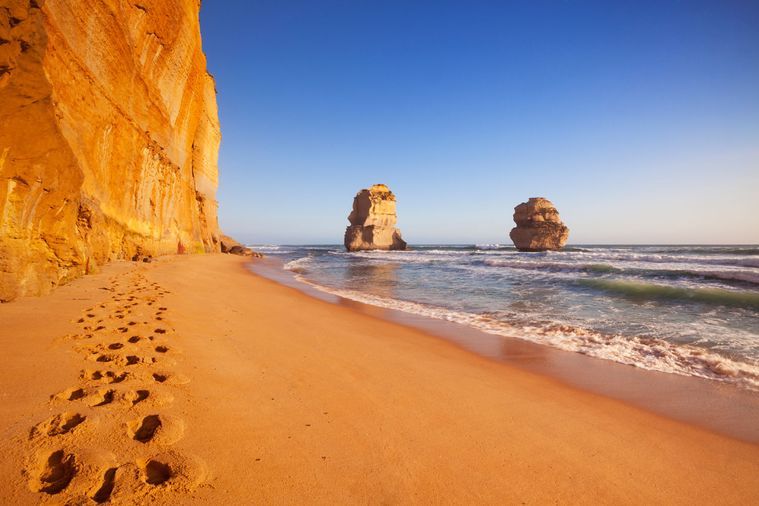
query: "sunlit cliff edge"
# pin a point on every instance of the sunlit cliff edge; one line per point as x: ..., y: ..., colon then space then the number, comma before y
x: 109, y: 137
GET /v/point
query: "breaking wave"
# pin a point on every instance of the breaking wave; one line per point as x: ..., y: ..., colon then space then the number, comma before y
x: 649, y: 291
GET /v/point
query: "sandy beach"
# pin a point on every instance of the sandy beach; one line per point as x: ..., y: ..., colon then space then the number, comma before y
x: 191, y: 380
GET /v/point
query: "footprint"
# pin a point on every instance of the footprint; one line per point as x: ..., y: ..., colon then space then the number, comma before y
x: 145, y: 430
x: 132, y: 360
x: 101, y: 398
x: 106, y: 358
x: 55, y: 473
x: 134, y: 339
x: 136, y: 397
x: 104, y: 376
x: 177, y: 470
x: 104, y: 492
x: 170, y: 379
x: 70, y: 394
x: 163, y: 430
x: 161, y: 349
x: 156, y: 472
x: 116, y: 377
x: 160, y: 331
x: 115, y: 346
x: 59, y: 424
x: 91, y: 375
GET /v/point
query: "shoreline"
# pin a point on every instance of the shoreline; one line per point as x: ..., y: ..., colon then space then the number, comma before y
x: 721, y: 408
x: 269, y: 395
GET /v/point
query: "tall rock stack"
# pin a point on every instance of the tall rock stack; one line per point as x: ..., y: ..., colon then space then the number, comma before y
x: 539, y: 227
x: 109, y: 137
x: 373, y: 221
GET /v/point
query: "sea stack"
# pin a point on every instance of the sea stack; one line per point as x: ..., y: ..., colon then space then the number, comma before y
x: 373, y: 221
x: 539, y: 227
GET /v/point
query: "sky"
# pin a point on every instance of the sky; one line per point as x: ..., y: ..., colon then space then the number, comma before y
x: 639, y: 120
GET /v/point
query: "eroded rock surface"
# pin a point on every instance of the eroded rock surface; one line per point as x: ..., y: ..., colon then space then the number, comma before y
x: 373, y: 221
x: 109, y: 137
x: 232, y: 247
x: 539, y: 227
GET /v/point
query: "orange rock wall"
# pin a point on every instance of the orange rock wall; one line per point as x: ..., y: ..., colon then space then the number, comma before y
x: 109, y: 137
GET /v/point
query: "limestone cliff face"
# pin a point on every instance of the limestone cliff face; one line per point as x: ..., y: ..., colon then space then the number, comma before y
x: 539, y: 227
x: 373, y: 221
x: 109, y: 137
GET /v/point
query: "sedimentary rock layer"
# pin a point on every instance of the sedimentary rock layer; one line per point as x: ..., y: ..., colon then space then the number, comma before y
x: 109, y: 137
x: 539, y: 227
x: 373, y: 221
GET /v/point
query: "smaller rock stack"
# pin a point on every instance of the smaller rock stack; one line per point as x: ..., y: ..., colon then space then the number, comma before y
x: 539, y: 227
x: 373, y: 221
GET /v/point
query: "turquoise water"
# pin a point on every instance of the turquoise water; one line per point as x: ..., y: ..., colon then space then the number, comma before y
x: 691, y: 310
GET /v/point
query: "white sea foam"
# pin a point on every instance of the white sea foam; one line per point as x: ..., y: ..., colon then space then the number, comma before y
x: 266, y: 247
x: 407, y: 257
x: 747, y: 275
x: 271, y: 249
x: 493, y: 246
x: 298, y: 265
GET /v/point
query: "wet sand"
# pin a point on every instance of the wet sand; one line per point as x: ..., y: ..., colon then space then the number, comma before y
x: 250, y: 391
x: 719, y: 407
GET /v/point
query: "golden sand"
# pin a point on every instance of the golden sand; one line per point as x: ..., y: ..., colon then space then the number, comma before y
x: 190, y: 380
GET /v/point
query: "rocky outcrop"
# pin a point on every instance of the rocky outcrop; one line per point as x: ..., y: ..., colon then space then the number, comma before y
x: 373, y: 221
x: 232, y: 247
x: 539, y: 227
x: 108, y: 137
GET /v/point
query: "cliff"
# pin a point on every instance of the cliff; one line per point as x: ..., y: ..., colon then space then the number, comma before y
x: 539, y: 227
x: 372, y: 221
x: 109, y: 137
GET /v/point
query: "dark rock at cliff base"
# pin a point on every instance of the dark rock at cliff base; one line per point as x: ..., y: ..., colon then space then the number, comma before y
x: 539, y: 227
x: 373, y: 221
x: 232, y: 247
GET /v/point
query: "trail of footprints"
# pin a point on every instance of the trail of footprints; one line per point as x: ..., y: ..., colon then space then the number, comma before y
x: 111, y: 438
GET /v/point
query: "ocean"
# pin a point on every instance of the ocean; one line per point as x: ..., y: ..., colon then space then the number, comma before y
x: 689, y: 310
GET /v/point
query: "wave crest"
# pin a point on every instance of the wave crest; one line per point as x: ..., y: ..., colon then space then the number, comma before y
x: 651, y: 291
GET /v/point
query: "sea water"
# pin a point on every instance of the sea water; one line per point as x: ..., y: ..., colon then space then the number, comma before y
x: 690, y: 310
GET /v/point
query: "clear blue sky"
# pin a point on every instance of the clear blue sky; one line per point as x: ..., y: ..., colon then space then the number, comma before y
x: 639, y: 120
